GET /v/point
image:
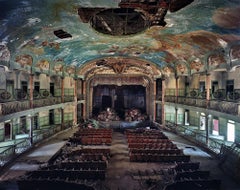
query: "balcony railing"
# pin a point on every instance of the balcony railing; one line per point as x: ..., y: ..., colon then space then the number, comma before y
x: 219, y: 100
x: 18, y: 146
x: 19, y: 100
x: 13, y: 107
x: 9, y: 152
x: 46, y: 102
x: 200, y: 138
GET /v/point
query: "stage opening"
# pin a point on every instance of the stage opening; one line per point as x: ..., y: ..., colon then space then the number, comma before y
x: 118, y: 100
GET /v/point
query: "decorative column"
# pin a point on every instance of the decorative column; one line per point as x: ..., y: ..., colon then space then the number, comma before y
x: 154, y: 99
x: 84, y: 93
x: 31, y: 90
x: 176, y: 117
x: 62, y: 89
x: 31, y: 128
x: 207, y: 130
x: 90, y: 100
x: 75, y: 101
x: 208, y: 86
x: 163, y: 101
x: 62, y: 119
x: 176, y: 92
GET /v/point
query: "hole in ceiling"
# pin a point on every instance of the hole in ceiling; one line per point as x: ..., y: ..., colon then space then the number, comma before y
x: 119, y: 22
x: 62, y: 34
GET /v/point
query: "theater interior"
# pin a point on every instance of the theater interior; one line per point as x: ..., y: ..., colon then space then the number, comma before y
x: 119, y: 94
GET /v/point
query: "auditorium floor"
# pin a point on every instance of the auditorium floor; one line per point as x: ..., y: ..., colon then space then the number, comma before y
x: 121, y: 174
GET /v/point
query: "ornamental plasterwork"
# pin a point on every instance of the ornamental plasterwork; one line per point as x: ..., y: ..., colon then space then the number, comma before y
x: 196, y: 65
x: 216, y: 60
x: 24, y: 60
x: 119, y: 81
x: 167, y: 71
x: 70, y: 70
x: 58, y: 67
x: 43, y: 64
x: 119, y: 66
x: 182, y: 69
x: 138, y: 70
x: 129, y: 70
x: 235, y: 53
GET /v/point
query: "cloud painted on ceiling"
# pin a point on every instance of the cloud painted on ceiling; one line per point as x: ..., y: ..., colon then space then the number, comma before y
x: 27, y: 27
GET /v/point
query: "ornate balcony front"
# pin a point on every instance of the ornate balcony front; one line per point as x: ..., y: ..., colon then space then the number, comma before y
x: 219, y: 100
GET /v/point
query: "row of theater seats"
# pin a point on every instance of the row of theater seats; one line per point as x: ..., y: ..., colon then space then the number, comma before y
x: 74, y: 165
x: 79, y: 165
x: 153, y: 146
x: 48, y: 184
x: 92, y: 136
x: 69, y: 175
x: 186, y: 175
x: 104, y: 151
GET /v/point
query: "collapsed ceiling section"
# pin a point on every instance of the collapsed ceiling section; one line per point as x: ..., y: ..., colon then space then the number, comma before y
x: 131, y: 17
x: 181, y: 36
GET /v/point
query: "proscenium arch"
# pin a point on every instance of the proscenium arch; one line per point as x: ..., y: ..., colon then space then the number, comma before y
x: 111, y: 72
x: 90, y: 67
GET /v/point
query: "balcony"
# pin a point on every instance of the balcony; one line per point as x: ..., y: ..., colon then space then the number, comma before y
x: 19, y: 100
x: 220, y: 100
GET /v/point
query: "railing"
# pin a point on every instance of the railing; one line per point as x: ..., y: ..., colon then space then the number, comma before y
x: 219, y: 100
x: 220, y: 94
x: 46, y: 102
x: 213, y: 144
x: 12, y: 150
x: 224, y: 106
x: 5, y: 96
x: 7, y: 153
x: 9, y: 105
x: 41, y: 135
x: 13, y: 107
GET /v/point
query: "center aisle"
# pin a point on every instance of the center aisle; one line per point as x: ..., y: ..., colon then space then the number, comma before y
x: 118, y: 172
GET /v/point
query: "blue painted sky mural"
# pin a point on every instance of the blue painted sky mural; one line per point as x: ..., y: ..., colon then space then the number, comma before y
x: 27, y: 28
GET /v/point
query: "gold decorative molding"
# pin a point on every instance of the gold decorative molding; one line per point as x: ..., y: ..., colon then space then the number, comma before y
x: 119, y: 66
x: 120, y: 80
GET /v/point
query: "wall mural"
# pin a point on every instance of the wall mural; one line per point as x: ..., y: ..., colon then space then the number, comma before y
x: 58, y: 67
x: 43, y: 65
x: 4, y: 53
x: 167, y: 71
x: 24, y: 60
x: 235, y: 53
x: 187, y: 33
x: 216, y: 60
x: 182, y: 69
x: 196, y: 65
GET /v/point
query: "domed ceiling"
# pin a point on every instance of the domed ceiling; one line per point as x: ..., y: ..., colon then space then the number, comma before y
x: 185, y: 36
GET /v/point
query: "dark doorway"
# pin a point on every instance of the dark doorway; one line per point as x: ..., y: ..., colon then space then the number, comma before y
x: 52, y: 88
x: 7, y: 131
x: 214, y: 86
x: 51, y: 117
x: 230, y: 86
x: 35, y: 122
x: 24, y: 86
x: 37, y: 86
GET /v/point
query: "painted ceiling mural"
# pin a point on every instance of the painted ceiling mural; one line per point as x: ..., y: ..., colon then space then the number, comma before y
x: 52, y: 35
